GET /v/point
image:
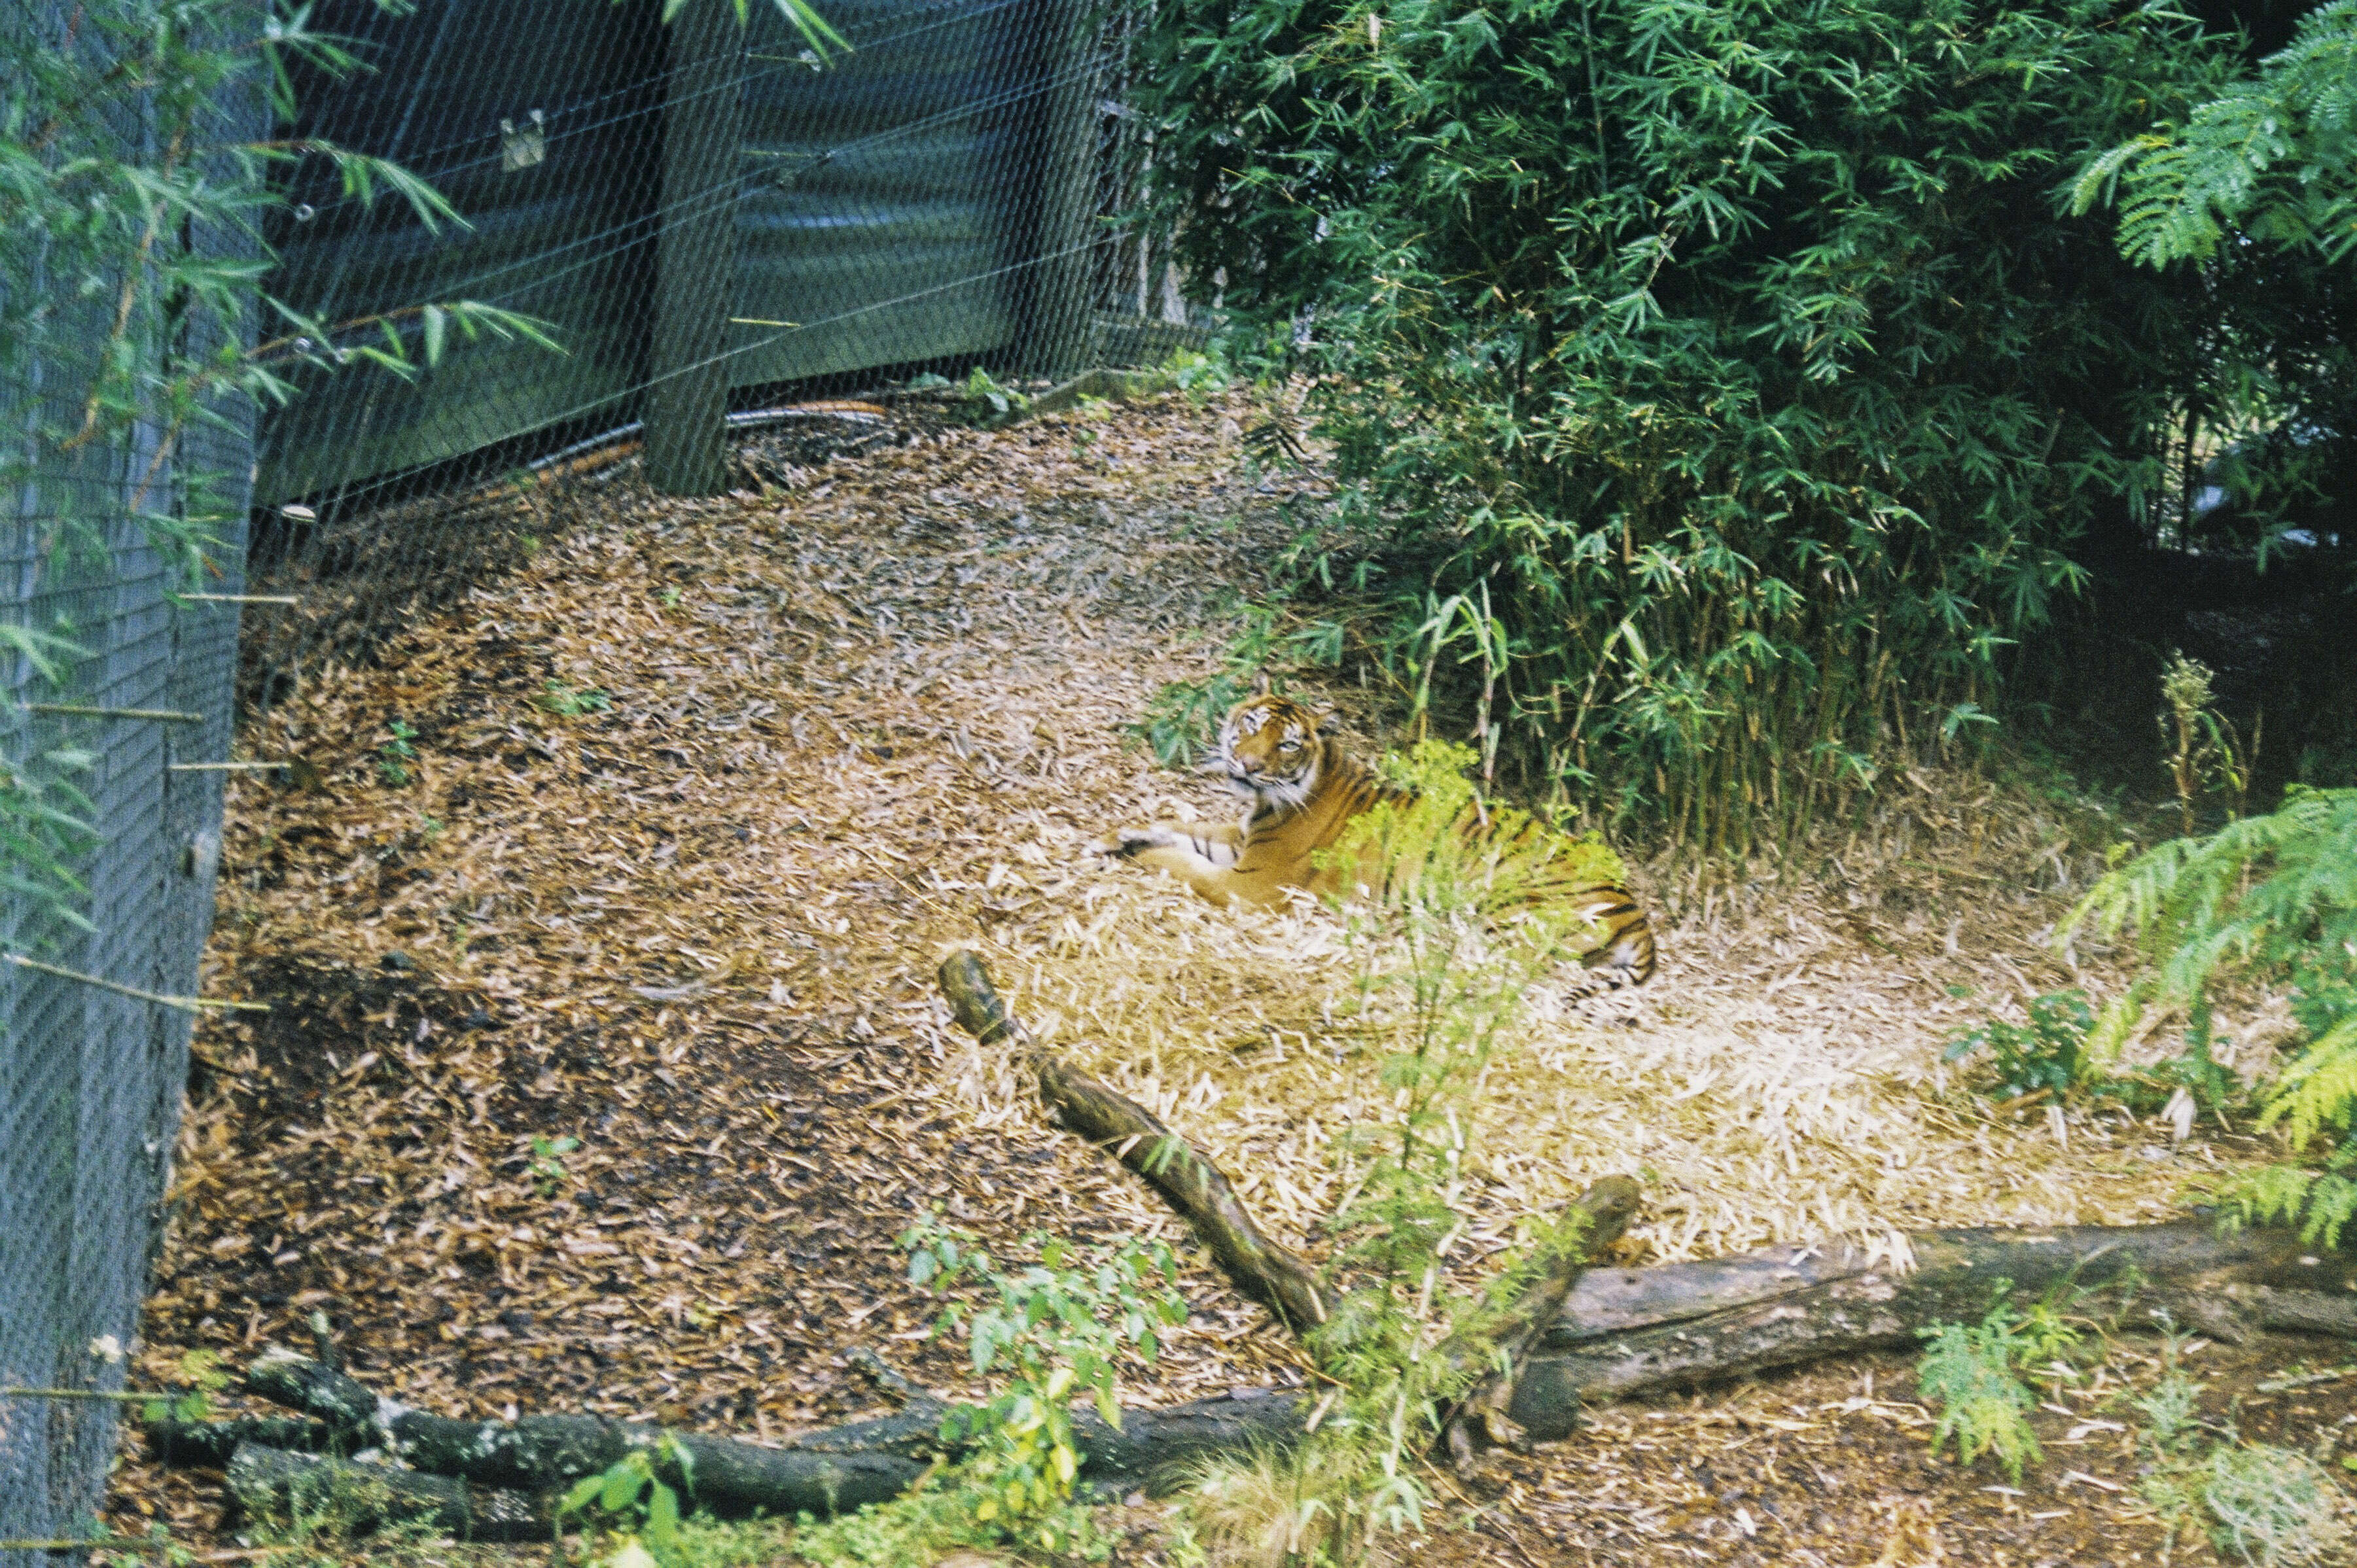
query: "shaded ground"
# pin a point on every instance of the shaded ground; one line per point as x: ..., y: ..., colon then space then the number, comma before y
x: 673, y: 828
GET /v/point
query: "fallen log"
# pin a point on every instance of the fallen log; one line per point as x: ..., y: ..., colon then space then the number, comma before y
x: 1620, y: 1332
x: 1627, y: 1332
x: 823, y: 1472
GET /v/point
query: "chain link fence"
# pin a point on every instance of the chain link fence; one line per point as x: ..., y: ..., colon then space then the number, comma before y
x: 715, y: 225
x: 115, y: 715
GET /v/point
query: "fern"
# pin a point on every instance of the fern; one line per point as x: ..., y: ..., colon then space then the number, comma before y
x: 2274, y: 158
x: 2273, y: 897
x: 1968, y: 1373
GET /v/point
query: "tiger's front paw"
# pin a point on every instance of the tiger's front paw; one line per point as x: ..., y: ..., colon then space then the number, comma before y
x: 1127, y: 841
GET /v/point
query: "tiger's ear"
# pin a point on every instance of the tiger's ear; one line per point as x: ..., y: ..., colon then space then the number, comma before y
x: 1331, y: 722
x: 1260, y: 684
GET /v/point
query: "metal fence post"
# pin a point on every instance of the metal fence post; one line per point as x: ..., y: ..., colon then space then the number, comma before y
x: 695, y: 278
x: 1062, y: 290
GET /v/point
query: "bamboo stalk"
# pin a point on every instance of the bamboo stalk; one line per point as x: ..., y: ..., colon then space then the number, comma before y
x: 162, y: 716
x: 185, y: 1003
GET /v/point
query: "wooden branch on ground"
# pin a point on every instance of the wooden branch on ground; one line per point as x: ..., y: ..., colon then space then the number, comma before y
x: 1259, y: 1268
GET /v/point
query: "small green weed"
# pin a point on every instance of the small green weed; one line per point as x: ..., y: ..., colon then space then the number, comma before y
x: 982, y: 400
x: 547, y: 1165
x: 2270, y: 1506
x: 1200, y: 376
x: 2266, y: 1506
x: 631, y: 1500
x: 2204, y: 755
x: 1968, y: 1374
x: 567, y: 703
x: 394, y: 757
x: 201, y: 1377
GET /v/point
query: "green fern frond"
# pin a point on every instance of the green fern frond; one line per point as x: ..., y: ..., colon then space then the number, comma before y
x: 2271, y: 158
x: 2319, y: 1090
x: 1967, y: 1372
x: 2273, y: 897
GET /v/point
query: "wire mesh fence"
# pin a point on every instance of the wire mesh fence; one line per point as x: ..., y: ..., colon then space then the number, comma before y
x: 715, y: 223
x: 115, y: 705
x: 709, y: 218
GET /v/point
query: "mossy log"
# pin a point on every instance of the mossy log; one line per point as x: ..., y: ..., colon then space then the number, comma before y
x: 823, y: 1472
x: 361, y: 1496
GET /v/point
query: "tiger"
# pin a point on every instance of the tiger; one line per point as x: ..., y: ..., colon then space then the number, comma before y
x: 1305, y: 788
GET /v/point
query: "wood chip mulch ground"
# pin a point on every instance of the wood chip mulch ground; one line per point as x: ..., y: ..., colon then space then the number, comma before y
x: 653, y: 844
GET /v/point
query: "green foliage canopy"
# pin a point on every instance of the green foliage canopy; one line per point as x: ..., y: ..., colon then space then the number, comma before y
x: 2273, y: 158
x: 1738, y: 352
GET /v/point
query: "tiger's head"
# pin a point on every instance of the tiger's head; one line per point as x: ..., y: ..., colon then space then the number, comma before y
x: 1272, y: 750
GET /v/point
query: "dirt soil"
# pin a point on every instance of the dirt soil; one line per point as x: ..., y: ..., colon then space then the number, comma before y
x: 653, y: 845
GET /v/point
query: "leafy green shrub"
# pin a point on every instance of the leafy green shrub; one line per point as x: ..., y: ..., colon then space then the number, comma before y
x: 1055, y: 1328
x: 1736, y: 352
x: 2049, y: 1053
x: 2273, y: 899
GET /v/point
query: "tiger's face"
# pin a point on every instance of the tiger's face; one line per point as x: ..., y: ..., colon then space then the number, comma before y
x: 1271, y: 750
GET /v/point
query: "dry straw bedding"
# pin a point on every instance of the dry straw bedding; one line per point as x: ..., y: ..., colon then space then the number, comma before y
x: 859, y: 720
